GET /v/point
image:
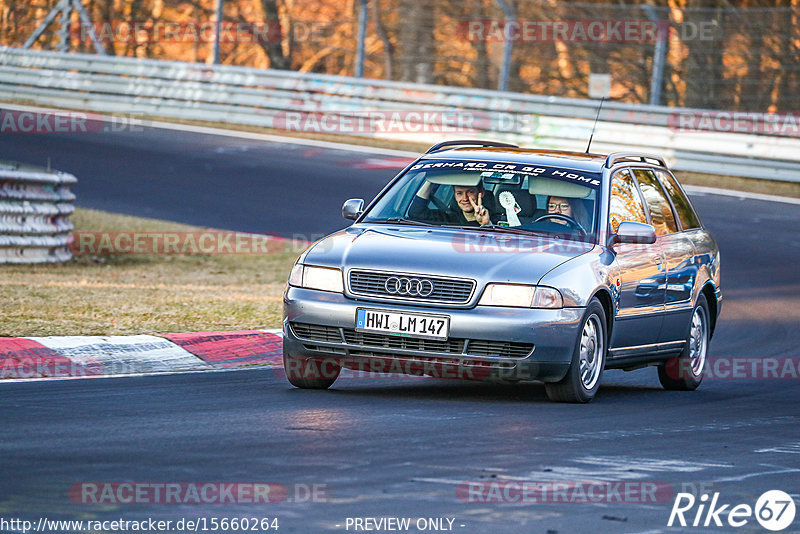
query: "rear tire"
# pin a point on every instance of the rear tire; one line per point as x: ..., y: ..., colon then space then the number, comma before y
x: 310, y: 373
x: 588, y: 360
x: 685, y: 372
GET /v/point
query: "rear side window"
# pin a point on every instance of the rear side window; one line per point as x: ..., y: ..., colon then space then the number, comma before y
x: 657, y: 202
x: 682, y: 205
x: 626, y: 204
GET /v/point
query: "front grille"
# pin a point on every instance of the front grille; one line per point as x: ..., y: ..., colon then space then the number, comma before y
x: 317, y: 332
x: 499, y: 349
x: 445, y: 290
x: 474, y: 347
x: 366, y: 339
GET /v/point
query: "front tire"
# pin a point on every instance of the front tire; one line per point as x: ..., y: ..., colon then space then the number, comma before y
x: 588, y: 360
x: 310, y: 373
x: 685, y: 372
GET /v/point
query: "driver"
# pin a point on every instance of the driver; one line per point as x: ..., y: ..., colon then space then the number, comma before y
x: 469, y: 199
x: 559, y: 206
x: 571, y: 208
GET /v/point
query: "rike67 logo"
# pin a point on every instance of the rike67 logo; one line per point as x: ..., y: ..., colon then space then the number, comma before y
x: 774, y: 510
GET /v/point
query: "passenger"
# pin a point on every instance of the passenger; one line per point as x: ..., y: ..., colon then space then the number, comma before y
x: 472, y: 212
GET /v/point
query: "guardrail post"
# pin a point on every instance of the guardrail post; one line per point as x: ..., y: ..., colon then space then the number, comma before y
x: 65, y: 7
x: 63, y: 30
x: 362, y: 37
x: 61, y: 7
x: 218, y: 30
x: 505, y: 69
x: 659, y: 53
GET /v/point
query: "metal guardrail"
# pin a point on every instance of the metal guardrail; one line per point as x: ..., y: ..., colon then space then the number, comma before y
x: 35, y: 205
x: 262, y: 97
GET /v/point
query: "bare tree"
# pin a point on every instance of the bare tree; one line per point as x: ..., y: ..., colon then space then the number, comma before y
x: 704, y: 69
x: 274, y: 48
x: 482, y: 63
x: 417, y: 44
x: 388, y: 47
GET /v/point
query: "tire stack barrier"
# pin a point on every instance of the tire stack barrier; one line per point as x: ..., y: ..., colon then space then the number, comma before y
x: 35, y: 205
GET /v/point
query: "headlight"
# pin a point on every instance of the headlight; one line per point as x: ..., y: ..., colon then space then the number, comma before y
x: 296, y: 276
x: 321, y: 278
x: 547, y: 297
x: 520, y: 296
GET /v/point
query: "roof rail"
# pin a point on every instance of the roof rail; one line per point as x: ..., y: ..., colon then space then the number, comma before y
x: 633, y: 157
x: 467, y: 142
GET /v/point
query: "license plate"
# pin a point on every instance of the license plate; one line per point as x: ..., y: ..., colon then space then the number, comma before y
x: 403, y: 324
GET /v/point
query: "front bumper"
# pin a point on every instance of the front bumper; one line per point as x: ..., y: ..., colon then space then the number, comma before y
x: 552, y: 333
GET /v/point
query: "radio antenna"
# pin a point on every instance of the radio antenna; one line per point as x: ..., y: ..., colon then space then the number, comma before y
x: 595, y: 123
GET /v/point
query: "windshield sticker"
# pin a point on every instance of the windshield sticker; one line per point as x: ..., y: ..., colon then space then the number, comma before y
x: 506, y: 171
x: 498, y: 175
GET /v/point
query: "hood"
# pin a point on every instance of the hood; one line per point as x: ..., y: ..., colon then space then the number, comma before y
x: 481, y: 255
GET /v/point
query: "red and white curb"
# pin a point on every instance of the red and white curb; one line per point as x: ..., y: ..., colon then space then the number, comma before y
x: 88, y: 356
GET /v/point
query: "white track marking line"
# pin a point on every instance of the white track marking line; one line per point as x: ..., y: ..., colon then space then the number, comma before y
x: 752, y: 475
x: 241, y: 134
x: 700, y: 189
x: 257, y: 367
x: 124, y: 354
x: 208, y: 130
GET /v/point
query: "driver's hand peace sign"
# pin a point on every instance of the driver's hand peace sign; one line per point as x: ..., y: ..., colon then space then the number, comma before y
x: 481, y: 213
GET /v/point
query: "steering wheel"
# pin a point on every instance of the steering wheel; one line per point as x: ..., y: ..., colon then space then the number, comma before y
x: 566, y: 218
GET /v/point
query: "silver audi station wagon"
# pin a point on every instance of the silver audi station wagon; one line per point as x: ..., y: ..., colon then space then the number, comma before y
x: 483, y: 260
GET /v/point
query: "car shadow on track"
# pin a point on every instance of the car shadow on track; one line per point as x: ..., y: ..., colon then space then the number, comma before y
x: 432, y: 389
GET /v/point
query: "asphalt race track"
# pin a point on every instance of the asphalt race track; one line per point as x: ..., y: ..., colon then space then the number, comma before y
x: 221, y: 182
x: 398, y: 447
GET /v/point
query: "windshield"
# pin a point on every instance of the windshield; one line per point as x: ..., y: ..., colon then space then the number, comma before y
x: 520, y: 197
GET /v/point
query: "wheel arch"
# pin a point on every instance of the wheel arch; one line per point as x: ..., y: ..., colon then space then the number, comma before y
x: 710, y: 293
x: 604, y: 296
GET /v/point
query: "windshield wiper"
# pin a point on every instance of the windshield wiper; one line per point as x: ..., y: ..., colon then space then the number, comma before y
x: 496, y: 228
x: 401, y: 220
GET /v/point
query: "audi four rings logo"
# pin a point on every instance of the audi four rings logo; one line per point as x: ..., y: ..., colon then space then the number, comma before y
x: 411, y: 287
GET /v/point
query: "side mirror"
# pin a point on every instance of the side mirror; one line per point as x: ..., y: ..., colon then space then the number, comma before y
x: 352, y: 208
x: 633, y: 232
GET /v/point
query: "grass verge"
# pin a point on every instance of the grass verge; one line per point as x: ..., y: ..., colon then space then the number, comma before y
x: 144, y: 294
